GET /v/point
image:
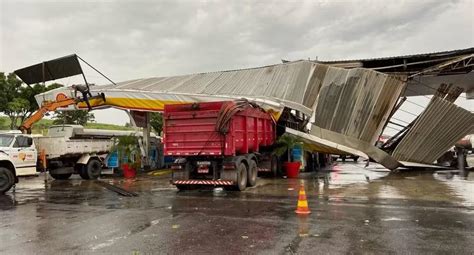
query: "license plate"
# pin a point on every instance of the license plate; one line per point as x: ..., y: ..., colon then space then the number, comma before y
x: 203, y: 170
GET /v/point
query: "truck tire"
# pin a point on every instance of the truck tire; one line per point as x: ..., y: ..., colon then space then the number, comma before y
x: 7, y: 180
x: 182, y: 187
x: 92, y: 170
x: 60, y: 176
x: 182, y: 174
x: 241, y: 177
x: 81, y: 170
x: 252, y: 173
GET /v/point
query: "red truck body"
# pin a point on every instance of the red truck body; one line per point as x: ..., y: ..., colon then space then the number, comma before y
x: 218, y: 143
x: 190, y: 129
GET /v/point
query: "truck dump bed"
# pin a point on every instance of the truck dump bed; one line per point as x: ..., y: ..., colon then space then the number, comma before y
x: 60, y: 146
x: 216, y: 128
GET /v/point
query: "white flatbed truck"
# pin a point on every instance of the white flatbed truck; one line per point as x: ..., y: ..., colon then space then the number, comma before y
x: 65, y: 155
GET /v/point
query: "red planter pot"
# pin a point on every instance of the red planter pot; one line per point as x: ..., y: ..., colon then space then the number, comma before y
x: 292, y: 169
x: 128, y: 172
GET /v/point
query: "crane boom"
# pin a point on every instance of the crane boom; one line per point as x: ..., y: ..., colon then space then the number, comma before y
x: 51, y: 106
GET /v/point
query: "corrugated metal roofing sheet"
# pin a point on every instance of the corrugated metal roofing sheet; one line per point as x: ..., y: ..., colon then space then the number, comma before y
x: 430, y: 54
x: 322, y: 145
x: 283, y: 82
x: 369, y: 149
x: 356, y: 102
x: 438, y: 128
x: 294, y: 84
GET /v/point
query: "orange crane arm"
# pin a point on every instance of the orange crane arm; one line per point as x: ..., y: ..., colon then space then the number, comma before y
x: 52, y: 106
x: 47, y: 107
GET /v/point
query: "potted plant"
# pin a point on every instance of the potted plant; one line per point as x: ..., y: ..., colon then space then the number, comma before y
x: 127, y: 148
x: 286, y: 143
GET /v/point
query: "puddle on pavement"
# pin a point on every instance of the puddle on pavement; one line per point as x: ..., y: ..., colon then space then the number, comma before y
x: 460, y: 183
x: 341, y: 182
x: 345, y: 181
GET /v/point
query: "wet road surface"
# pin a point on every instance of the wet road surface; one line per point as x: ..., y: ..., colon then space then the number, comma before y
x: 354, y: 210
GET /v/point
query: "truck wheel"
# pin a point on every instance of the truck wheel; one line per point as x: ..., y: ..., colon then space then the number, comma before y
x: 182, y: 174
x: 355, y: 158
x: 6, y: 180
x: 60, y: 176
x: 252, y: 174
x: 182, y: 187
x: 241, y: 177
x: 81, y: 170
x: 93, y: 169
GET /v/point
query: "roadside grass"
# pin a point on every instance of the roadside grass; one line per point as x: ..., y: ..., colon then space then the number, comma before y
x: 42, y: 126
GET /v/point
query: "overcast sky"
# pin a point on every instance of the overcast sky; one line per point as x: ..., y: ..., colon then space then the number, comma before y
x: 138, y: 39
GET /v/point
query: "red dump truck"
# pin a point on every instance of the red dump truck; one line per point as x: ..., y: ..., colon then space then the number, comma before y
x: 219, y: 143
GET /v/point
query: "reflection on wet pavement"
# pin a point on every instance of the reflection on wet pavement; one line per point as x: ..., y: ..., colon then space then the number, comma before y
x: 354, y: 210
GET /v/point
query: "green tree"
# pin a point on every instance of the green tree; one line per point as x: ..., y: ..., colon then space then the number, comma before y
x: 17, y: 100
x: 156, y: 122
x: 9, y: 90
x: 17, y: 110
x: 77, y: 117
x: 29, y: 93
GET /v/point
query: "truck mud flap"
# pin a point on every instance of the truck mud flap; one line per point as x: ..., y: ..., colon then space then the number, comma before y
x: 203, y: 182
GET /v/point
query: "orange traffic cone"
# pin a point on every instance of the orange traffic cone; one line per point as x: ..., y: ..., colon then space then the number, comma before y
x: 302, y: 207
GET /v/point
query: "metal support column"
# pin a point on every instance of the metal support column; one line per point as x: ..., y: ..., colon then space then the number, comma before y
x: 140, y: 139
x: 461, y: 158
x: 146, y: 142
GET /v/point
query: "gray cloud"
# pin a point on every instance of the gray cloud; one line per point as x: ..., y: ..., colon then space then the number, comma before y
x: 134, y: 39
x: 141, y: 38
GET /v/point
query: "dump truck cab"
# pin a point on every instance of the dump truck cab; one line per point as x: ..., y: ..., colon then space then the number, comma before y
x: 18, y: 157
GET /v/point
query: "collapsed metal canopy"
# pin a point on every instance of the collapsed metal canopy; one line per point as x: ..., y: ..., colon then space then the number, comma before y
x: 294, y: 85
x: 350, y: 106
x: 50, y: 70
x: 428, y: 70
x: 352, y: 102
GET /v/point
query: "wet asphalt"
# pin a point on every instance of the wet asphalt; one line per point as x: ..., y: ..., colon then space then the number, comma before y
x: 354, y: 210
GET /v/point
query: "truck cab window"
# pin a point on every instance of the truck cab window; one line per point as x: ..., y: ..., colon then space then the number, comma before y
x: 29, y: 141
x: 5, y: 140
x: 21, y: 142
